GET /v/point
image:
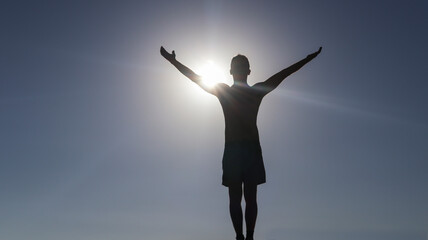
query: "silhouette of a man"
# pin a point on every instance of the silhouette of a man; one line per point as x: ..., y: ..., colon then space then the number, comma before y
x: 242, y: 158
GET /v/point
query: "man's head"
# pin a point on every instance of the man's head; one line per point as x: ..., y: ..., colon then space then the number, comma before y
x: 240, y: 67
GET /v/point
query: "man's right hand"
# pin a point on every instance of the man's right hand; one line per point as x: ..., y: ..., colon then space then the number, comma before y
x: 168, y: 56
x: 313, y: 55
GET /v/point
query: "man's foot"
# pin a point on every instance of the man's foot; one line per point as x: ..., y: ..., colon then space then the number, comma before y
x: 240, y: 237
x: 250, y: 235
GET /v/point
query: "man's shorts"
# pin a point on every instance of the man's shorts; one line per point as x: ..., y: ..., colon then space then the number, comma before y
x: 243, y: 163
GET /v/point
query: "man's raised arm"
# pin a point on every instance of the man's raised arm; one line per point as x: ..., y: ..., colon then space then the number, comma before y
x: 273, y: 82
x: 185, y: 70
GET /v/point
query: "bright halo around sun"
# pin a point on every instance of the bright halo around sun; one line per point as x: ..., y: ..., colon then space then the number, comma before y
x: 211, y: 74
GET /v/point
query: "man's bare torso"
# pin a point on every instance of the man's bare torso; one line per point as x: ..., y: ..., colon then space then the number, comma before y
x: 240, y: 107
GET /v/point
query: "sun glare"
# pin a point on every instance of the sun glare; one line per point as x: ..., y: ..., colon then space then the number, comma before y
x: 212, y: 74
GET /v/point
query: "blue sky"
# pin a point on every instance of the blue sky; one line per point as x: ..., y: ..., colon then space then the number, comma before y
x: 101, y: 138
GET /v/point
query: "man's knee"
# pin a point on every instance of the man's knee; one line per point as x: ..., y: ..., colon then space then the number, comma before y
x: 250, y: 194
x: 251, y: 201
x: 235, y: 194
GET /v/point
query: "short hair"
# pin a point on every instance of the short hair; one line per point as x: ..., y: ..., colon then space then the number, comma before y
x: 240, y: 64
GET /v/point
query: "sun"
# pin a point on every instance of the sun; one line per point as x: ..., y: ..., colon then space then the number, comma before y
x: 212, y: 74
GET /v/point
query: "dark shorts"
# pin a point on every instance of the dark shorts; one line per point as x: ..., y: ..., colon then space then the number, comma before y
x: 243, y: 163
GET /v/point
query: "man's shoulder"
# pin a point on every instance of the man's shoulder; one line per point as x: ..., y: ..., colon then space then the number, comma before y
x: 220, y: 88
x: 259, y: 88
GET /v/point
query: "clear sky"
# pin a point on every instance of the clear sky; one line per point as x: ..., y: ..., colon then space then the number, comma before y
x: 102, y: 139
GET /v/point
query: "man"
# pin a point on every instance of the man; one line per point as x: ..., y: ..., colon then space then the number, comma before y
x: 242, y: 158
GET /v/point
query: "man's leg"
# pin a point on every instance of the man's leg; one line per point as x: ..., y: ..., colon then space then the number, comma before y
x: 235, y: 196
x: 250, y: 194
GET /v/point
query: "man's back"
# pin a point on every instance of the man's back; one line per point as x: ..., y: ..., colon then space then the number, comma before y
x: 240, y: 105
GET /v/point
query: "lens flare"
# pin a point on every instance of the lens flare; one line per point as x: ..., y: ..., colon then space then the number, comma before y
x: 211, y: 74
